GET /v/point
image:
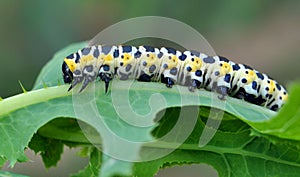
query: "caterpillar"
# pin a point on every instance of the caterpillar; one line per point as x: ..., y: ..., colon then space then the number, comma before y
x: 167, y: 65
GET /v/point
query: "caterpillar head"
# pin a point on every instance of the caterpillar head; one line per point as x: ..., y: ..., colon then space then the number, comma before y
x: 68, y: 67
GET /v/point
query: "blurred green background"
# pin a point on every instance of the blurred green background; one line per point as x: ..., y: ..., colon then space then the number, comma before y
x: 261, y: 33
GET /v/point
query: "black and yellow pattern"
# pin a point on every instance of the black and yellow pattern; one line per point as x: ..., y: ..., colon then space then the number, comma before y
x: 190, y: 68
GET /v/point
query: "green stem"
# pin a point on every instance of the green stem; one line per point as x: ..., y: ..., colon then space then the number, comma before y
x: 33, y: 97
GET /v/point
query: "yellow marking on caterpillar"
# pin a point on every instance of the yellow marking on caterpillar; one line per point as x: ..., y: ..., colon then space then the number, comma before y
x: 126, y: 59
x: 71, y: 64
x: 151, y: 59
x: 126, y: 56
x: 251, y: 76
x: 108, y: 58
x: 100, y: 59
x: 172, y: 62
x: 152, y: 56
x: 272, y: 86
x: 197, y: 65
x: 284, y: 97
x: 225, y: 68
x: 86, y: 59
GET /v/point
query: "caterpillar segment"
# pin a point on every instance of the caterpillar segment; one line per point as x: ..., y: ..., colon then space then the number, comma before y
x: 220, y: 76
x: 192, y: 75
x: 243, y: 81
x: 170, y: 66
x: 189, y: 68
x: 270, y: 93
x: 107, y: 64
x: 126, y: 62
x: 148, y: 63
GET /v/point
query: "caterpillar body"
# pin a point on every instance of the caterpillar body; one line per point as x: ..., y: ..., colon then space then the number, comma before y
x: 167, y: 65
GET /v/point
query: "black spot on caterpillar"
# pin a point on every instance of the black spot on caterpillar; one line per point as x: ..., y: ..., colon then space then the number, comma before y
x: 189, y: 68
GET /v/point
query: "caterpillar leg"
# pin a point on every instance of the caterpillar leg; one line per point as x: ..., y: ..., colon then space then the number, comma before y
x: 241, y: 94
x: 124, y: 76
x: 223, y: 90
x: 274, y: 108
x: 78, y: 78
x: 86, y: 82
x: 169, y: 82
x: 75, y: 82
x: 194, y: 85
x: 89, y: 75
x: 144, y: 78
x: 106, y: 77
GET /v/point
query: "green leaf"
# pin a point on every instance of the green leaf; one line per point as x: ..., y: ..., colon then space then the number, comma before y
x: 287, y: 122
x: 92, y: 169
x: 234, y: 151
x: 9, y: 174
x: 50, y: 149
x: 126, y: 119
x: 65, y: 130
x: 2, y: 161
